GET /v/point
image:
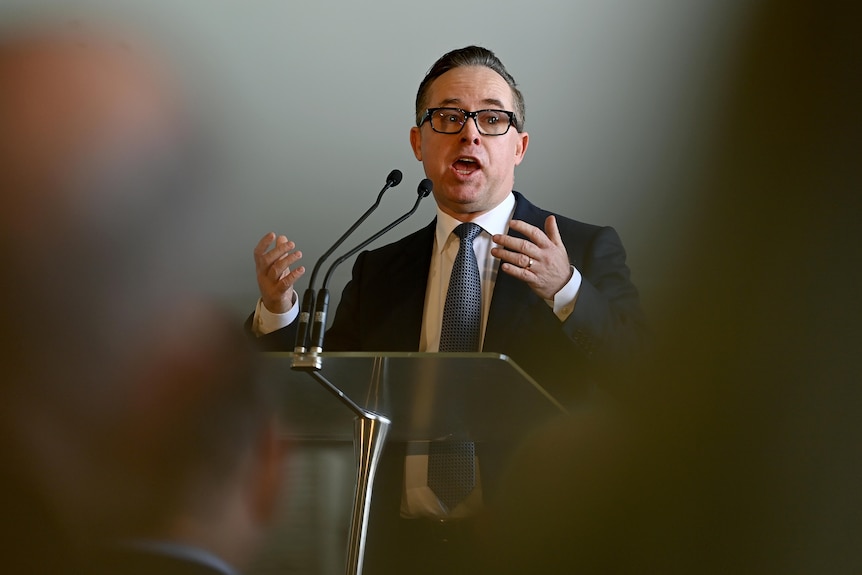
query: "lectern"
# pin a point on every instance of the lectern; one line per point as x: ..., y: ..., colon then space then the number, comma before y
x: 373, y: 397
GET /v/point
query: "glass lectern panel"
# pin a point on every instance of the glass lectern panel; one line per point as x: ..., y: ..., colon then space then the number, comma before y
x: 426, y: 396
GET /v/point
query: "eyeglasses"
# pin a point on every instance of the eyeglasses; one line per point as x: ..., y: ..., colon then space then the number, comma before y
x: 452, y: 120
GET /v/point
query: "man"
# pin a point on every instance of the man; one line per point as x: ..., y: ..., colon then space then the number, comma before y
x: 564, y: 308
x: 202, y: 452
x: 555, y: 293
x: 129, y: 412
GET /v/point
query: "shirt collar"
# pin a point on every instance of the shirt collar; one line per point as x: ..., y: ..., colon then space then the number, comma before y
x: 495, y: 221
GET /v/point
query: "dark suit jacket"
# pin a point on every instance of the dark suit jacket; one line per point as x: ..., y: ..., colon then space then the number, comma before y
x: 381, y: 308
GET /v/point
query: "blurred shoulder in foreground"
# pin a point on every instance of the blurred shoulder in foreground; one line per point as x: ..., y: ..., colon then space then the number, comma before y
x: 741, y: 454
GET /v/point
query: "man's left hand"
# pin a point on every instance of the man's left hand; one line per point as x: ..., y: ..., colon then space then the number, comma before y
x: 540, y: 260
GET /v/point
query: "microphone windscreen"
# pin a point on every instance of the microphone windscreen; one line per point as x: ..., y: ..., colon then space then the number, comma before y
x: 394, y: 178
x: 425, y: 188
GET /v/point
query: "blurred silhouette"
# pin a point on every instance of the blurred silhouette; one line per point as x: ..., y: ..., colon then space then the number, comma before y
x: 738, y: 450
x: 197, y: 464
x: 128, y: 407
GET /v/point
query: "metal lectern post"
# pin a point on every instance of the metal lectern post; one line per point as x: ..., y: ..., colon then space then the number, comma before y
x: 369, y: 437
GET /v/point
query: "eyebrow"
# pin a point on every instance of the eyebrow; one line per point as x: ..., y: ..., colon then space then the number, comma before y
x: 486, y: 101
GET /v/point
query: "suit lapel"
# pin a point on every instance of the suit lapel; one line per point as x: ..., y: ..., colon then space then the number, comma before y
x: 512, y: 298
x: 409, y: 278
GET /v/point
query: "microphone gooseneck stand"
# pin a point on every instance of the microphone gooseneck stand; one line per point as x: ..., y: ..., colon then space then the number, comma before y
x: 370, y: 429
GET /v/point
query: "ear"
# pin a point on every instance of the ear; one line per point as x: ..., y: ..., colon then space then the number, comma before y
x: 268, y: 476
x: 416, y: 142
x: 521, y: 146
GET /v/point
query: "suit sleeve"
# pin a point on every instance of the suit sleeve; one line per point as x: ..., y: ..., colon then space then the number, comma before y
x: 607, y: 324
x: 282, y: 339
x: 597, y: 343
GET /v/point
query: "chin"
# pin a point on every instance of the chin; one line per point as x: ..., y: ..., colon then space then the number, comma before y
x: 463, y: 203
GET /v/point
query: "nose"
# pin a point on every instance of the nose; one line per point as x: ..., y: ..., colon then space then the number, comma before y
x: 470, y: 131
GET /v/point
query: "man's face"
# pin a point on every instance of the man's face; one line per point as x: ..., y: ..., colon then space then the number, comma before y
x: 472, y: 173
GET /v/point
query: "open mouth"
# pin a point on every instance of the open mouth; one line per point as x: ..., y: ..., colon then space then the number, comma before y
x: 465, y: 165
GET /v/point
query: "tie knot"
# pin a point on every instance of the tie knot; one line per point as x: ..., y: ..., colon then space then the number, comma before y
x: 468, y: 231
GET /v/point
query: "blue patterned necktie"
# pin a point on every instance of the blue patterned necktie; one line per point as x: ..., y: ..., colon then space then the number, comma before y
x: 462, y: 313
x: 451, y: 468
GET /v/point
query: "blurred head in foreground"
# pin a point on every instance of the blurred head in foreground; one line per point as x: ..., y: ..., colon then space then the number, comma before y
x: 740, y: 453
x: 120, y: 388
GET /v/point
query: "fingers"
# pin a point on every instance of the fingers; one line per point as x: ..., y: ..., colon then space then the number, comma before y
x: 273, y: 264
x: 512, y: 255
x: 277, y: 270
x: 539, y: 258
x: 287, y: 281
x: 263, y: 258
x: 516, y: 251
x: 522, y: 273
x: 520, y: 251
x: 275, y: 277
x: 264, y: 243
x: 553, y: 231
x: 533, y: 235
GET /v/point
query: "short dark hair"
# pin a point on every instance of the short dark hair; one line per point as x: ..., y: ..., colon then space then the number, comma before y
x: 469, y: 56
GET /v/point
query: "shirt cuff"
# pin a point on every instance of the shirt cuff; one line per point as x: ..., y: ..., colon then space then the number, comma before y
x: 265, y: 321
x: 564, y: 300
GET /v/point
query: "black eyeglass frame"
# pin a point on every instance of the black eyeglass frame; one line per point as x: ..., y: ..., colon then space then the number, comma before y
x: 468, y: 115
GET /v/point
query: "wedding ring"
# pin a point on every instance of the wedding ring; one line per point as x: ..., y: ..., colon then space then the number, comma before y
x: 529, y: 265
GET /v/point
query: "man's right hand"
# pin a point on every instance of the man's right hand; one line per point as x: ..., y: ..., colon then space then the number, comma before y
x: 275, y: 279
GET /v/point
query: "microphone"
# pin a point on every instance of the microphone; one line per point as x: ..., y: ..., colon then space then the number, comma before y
x: 321, y: 306
x: 392, y: 180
